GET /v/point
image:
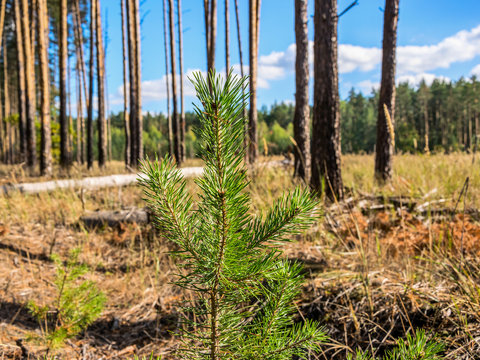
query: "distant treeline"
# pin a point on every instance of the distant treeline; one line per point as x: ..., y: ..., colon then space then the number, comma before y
x: 447, y: 112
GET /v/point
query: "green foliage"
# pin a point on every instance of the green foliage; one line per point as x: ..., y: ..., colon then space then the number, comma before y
x: 77, y: 304
x: 416, y: 347
x: 228, y: 257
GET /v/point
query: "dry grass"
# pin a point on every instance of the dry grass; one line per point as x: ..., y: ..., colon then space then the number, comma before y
x: 371, y: 275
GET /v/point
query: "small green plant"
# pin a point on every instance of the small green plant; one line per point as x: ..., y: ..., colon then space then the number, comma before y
x: 230, y: 258
x: 77, y: 304
x: 416, y: 347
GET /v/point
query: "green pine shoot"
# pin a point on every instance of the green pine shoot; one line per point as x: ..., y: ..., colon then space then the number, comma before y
x: 77, y: 304
x: 230, y: 258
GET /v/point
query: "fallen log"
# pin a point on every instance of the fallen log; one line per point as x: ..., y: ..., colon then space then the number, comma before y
x: 90, y: 183
x: 96, y: 219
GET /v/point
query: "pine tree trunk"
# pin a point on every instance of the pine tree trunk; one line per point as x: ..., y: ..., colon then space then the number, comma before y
x: 326, y: 153
x: 46, y: 140
x: 227, y: 37
x: 64, y: 154
x: 180, y: 60
x: 175, y: 122
x: 6, y: 95
x: 301, y: 120
x: 138, y: 80
x: 210, y: 8
x: 254, y: 13
x: 102, y: 136
x: 80, y: 120
x: 133, y: 84
x: 206, y: 10
x: 171, y: 142
x: 239, y: 38
x: 79, y: 44
x: 30, y: 104
x: 126, y: 116
x: 3, y: 137
x: 384, y: 148
x: 90, y: 87
x: 21, y: 84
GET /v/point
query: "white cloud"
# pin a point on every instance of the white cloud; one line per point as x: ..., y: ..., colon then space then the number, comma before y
x: 367, y: 86
x: 352, y: 58
x: 475, y: 70
x: 417, y: 78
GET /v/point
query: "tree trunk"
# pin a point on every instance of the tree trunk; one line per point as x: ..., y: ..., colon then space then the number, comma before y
x: 3, y: 137
x: 46, y: 141
x: 254, y: 14
x: 301, y: 120
x: 180, y: 60
x: 138, y: 80
x: 385, y: 137
x: 171, y: 142
x: 245, y: 119
x: 102, y: 138
x: 126, y: 116
x: 21, y: 83
x: 79, y: 42
x: 6, y: 95
x: 133, y: 84
x: 227, y: 37
x: 29, y: 88
x: 64, y: 153
x: 2, y: 20
x: 326, y: 153
x: 80, y: 121
x: 210, y: 7
x: 175, y: 122
x: 90, y: 87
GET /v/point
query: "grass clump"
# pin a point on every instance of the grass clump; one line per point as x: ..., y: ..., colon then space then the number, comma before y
x: 229, y: 258
x: 77, y: 304
x: 416, y: 347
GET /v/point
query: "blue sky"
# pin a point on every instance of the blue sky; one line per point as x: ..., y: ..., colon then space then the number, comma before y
x: 436, y: 39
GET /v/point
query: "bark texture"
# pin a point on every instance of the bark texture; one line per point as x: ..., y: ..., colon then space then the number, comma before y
x: 326, y: 151
x: 385, y: 136
x: 21, y: 83
x: 64, y: 151
x: 30, y: 101
x: 175, y: 121
x: 126, y: 115
x: 46, y: 140
x: 90, y: 87
x: 301, y: 120
x: 101, y: 123
x: 180, y: 60
x: 254, y: 20
x: 167, y: 72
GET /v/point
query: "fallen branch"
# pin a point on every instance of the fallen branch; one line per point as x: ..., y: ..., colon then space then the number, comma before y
x: 90, y: 183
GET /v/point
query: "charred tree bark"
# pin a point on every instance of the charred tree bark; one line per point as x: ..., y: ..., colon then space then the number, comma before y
x: 254, y: 19
x: 21, y: 83
x: 90, y: 87
x: 101, y: 123
x: 385, y: 137
x: 175, y: 122
x: 126, y: 116
x: 326, y: 153
x: 169, y: 118
x: 301, y: 120
x: 46, y: 140
x: 6, y: 94
x: 30, y: 103
x: 64, y: 153
x: 180, y: 60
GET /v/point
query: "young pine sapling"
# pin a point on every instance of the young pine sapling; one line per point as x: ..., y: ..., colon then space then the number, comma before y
x: 230, y: 258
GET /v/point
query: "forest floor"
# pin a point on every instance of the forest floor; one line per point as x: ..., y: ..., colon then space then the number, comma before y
x: 382, y: 263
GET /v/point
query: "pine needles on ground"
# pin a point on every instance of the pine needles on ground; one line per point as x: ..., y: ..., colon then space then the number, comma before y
x: 244, y: 308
